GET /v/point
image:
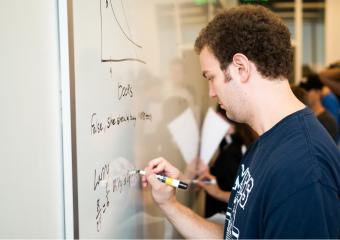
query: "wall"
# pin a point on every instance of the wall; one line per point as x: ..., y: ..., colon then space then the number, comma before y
x: 31, y: 164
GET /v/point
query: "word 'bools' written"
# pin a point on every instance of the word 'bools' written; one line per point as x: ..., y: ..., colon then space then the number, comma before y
x: 124, y: 91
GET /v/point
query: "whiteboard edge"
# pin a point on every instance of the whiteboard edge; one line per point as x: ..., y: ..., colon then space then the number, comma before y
x: 68, y: 120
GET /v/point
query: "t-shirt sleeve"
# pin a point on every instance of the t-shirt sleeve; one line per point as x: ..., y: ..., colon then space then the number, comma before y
x: 294, y: 218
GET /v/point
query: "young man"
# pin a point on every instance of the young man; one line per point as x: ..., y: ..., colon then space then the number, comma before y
x: 288, y: 184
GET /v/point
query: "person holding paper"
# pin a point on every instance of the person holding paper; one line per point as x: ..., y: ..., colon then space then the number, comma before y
x: 288, y: 183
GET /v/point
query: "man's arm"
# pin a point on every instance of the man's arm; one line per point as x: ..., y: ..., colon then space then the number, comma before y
x: 188, y: 223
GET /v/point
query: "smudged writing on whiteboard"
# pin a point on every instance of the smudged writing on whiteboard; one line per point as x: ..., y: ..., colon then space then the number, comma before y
x: 106, y: 186
x: 101, y: 208
x: 118, y: 183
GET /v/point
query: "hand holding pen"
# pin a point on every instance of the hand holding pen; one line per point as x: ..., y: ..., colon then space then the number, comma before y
x: 162, y: 193
x: 206, y: 178
x: 204, y: 181
x: 166, y: 180
x: 208, y: 182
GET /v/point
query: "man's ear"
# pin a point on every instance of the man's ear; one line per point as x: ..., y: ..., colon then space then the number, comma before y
x: 242, y: 64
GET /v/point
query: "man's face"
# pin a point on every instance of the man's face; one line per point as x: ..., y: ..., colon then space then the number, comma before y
x: 221, y: 83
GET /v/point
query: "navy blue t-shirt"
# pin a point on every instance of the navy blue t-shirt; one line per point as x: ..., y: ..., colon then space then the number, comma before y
x: 288, y: 184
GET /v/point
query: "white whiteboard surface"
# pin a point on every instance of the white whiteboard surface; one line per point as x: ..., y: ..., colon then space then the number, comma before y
x: 129, y: 84
x: 31, y: 202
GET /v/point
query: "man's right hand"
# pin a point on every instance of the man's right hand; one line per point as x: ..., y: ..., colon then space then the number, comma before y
x: 187, y: 222
x: 161, y: 193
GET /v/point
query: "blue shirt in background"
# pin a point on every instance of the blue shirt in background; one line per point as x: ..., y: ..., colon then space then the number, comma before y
x: 331, y: 104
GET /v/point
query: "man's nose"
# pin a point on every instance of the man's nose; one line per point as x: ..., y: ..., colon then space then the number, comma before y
x: 212, y: 92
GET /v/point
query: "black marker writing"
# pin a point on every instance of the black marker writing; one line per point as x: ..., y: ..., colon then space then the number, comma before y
x: 124, y: 91
x: 99, y: 215
x: 107, y: 191
x: 110, y: 122
x: 96, y: 126
x: 118, y: 183
x: 103, y: 174
x: 145, y: 116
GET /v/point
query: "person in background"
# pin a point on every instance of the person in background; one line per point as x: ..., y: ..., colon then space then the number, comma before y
x: 331, y: 78
x: 288, y: 183
x: 224, y: 168
x: 315, y: 90
x: 329, y: 100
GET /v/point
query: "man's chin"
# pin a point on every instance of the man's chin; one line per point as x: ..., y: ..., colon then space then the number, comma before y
x: 232, y: 117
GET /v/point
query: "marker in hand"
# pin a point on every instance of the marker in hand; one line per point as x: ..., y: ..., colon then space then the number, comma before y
x: 167, y: 180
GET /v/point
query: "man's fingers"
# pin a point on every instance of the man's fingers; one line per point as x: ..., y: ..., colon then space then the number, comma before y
x: 152, y: 179
x: 160, y: 165
x: 154, y: 162
x: 159, y: 168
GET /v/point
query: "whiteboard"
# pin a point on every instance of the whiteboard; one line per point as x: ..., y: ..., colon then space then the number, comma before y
x: 131, y: 79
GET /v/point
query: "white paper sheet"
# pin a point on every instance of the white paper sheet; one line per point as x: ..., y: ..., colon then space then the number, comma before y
x: 213, y: 130
x: 185, y: 133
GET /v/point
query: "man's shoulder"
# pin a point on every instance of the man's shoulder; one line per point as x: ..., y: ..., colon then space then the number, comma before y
x: 302, y: 136
x: 301, y: 159
x: 300, y: 153
x: 304, y: 153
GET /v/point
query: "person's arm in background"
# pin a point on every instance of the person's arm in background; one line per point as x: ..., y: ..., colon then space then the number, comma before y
x: 188, y: 223
x: 194, y: 168
x: 213, y: 189
x: 331, y: 78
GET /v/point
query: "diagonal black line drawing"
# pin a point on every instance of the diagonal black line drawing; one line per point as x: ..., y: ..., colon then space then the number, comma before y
x: 120, y: 26
x: 127, y: 35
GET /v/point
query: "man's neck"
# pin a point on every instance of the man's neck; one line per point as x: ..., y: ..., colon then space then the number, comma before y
x: 273, y: 102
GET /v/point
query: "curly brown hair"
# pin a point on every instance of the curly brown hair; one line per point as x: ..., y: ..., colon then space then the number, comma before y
x: 253, y: 31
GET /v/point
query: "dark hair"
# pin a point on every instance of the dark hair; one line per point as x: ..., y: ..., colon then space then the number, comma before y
x: 253, y: 31
x: 335, y: 65
x: 312, y: 82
